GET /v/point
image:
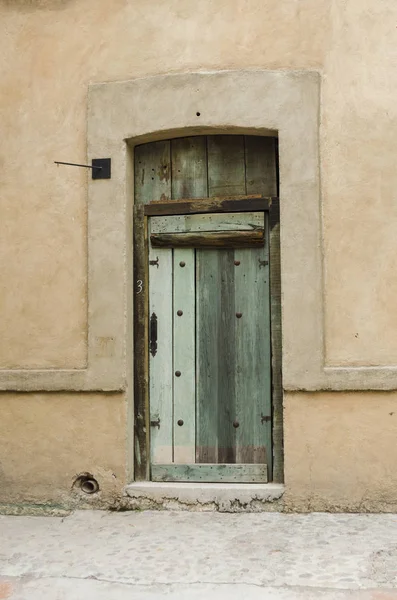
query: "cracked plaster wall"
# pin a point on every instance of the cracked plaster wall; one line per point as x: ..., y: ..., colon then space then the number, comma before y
x: 339, y: 447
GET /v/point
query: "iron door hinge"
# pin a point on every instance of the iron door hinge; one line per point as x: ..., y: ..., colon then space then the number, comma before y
x: 154, y: 263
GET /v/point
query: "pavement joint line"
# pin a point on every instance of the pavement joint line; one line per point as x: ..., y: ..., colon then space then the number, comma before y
x: 274, y: 585
x: 286, y: 587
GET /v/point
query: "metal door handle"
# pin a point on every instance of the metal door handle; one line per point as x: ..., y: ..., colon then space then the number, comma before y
x: 153, y: 335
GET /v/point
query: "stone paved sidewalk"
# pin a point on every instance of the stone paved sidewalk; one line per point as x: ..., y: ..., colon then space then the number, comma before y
x: 211, y: 556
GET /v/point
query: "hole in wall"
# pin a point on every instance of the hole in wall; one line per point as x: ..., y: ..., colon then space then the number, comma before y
x: 86, y: 483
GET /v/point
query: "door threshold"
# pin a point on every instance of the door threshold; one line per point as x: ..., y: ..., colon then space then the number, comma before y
x: 222, y: 497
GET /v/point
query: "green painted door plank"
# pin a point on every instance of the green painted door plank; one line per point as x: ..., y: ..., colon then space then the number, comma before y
x: 184, y: 356
x: 226, y: 168
x: 207, y: 356
x: 189, y: 180
x: 152, y: 165
x: 253, y: 374
x: 215, y: 331
x: 260, y: 164
x: 189, y: 167
x: 226, y: 357
x: 211, y: 473
x: 215, y: 356
x: 226, y: 175
x: 160, y: 364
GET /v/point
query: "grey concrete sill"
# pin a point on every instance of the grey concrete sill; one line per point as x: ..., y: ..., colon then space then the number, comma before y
x: 223, y: 497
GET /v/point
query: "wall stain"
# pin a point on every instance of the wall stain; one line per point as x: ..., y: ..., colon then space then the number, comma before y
x: 32, y: 5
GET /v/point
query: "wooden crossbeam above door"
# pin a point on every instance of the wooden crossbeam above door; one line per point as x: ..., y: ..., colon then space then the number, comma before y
x: 222, y: 230
x: 251, y: 203
x: 219, y: 239
x: 208, y: 222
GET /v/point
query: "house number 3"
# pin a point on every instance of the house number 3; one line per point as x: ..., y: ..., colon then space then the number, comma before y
x: 140, y: 286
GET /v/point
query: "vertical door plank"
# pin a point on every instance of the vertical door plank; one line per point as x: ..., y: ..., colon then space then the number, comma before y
x: 261, y: 170
x: 253, y: 373
x: 189, y: 180
x: 152, y: 167
x: 160, y: 365
x: 208, y: 358
x: 152, y: 182
x: 226, y: 168
x: 261, y: 165
x: 216, y: 314
x: 184, y: 356
x: 226, y: 357
x: 215, y: 356
x: 189, y: 167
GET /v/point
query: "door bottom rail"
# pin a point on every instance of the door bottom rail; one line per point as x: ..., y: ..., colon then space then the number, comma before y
x: 210, y: 473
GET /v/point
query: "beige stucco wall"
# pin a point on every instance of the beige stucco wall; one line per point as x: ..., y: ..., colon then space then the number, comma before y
x: 340, y: 451
x: 359, y: 183
x: 47, y: 440
x: 51, y: 50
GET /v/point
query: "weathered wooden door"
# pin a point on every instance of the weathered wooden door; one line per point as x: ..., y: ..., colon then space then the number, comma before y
x: 210, y: 376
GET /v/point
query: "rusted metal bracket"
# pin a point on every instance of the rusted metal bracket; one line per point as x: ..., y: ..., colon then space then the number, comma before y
x: 265, y: 418
x: 100, y: 168
x: 155, y: 423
